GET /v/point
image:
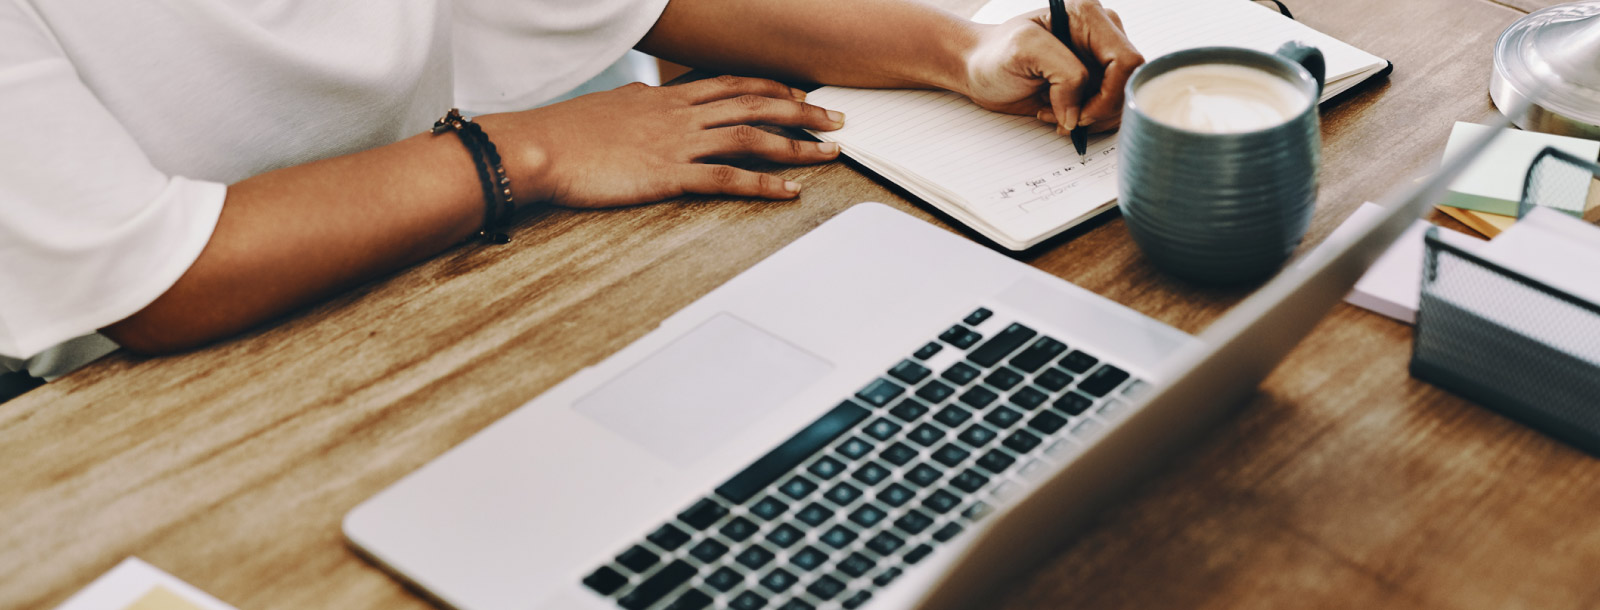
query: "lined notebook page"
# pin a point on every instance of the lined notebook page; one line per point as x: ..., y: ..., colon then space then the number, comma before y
x: 1013, y: 178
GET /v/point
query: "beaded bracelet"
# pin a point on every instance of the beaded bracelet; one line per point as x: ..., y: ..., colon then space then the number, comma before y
x: 497, y: 201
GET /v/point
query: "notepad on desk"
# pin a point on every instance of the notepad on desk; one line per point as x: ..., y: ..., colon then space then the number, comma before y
x: 1012, y: 178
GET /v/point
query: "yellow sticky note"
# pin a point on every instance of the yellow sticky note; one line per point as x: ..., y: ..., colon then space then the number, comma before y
x: 160, y: 598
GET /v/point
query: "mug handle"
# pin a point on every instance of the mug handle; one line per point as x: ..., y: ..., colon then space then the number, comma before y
x: 1308, y: 57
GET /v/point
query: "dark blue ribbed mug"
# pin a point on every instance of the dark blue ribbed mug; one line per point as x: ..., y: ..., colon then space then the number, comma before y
x: 1213, y: 201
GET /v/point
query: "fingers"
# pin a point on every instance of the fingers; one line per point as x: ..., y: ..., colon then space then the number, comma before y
x: 763, y: 110
x: 748, y: 141
x: 1099, y: 31
x: 726, y: 180
x: 724, y: 87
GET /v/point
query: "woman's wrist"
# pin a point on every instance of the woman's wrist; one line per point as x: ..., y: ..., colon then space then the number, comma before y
x: 524, y: 157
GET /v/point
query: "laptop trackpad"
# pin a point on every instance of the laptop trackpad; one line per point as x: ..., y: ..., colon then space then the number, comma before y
x: 710, y: 383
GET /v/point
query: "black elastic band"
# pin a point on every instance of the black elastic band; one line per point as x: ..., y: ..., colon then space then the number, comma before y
x: 1281, y: 8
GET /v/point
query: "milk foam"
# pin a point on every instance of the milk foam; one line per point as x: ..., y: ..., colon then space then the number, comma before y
x: 1220, y: 98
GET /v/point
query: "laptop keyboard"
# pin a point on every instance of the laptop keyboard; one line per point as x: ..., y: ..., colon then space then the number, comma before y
x: 879, y: 482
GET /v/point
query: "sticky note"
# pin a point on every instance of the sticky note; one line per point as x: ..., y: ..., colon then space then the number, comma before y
x: 160, y: 598
x: 1493, y: 183
x: 136, y: 585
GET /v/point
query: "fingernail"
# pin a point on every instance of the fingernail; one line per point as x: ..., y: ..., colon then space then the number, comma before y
x: 836, y: 116
x: 799, y: 96
x: 828, y: 148
x: 1046, y: 116
x: 791, y: 186
x: 1085, y: 120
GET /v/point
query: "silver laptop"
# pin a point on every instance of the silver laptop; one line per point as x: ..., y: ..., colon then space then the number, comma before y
x: 881, y: 415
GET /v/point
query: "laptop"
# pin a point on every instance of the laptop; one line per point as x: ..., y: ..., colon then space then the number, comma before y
x: 881, y: 415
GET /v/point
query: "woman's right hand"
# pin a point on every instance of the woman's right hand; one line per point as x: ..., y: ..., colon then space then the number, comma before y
x: 641, y: 144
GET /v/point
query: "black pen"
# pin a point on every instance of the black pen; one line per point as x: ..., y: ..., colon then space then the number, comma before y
x: 1058, y: 27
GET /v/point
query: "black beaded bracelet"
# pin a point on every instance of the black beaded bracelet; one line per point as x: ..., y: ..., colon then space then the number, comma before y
x: 498, y: 204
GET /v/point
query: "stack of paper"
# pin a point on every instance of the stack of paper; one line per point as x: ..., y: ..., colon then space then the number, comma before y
x: 1493, y: 183
x: 1012, y: 178
x: 1392, y: 286
x: 136, y: 585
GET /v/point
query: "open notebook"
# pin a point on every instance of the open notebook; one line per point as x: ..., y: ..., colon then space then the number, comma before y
x: 1012, y: 178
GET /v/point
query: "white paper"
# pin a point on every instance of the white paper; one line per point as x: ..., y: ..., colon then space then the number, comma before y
x: 134, y: 581
x: 1392, y: 286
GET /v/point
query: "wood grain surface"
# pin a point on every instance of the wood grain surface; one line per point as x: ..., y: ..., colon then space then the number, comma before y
x: 1344, y: 483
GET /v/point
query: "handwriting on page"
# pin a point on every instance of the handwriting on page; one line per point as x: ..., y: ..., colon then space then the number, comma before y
x: 1098, y: 168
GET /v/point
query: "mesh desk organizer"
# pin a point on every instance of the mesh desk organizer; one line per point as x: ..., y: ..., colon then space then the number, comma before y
x: 1509, y: 342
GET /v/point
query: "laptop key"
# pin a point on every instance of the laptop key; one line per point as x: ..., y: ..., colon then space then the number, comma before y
x: 638, y: 559
x: 1103, y: 380
x: 896, y: 495
x: 909, y: 372
x: 918, y: 554
x: 748, y: 601
x: 914, y: 522
x: 798, y: 488
x: 996, y: 461
x: 909, y: 409
x: 785, y: 536
x: 868, y: 515
x: 927, y: 351
x: 978, y: 397
x: 826, y: 468
x: 872, y: 473
x: 708, y: 550
x: 754, y: 557
x: 808, y: 558
x: 1029, y: 398
x: 1073, y: 403
x: 857, y: 600
x: 814, y: 514
x: 887, y: 576
x: 960, y: 373
x: 977, y: 435
x: 1047, y: 422
x: 924, y: 475
x: 926, y: 435
x: 1037, y: 354
x: 693, y: 599
x: 951, y: 455
x: 960, y: 336
x: 977, y: 511
x: 738, y: 529
x: 843, y: 494
x: 854, y: 448
x: 658, y: 586
x: 857, y: 565
x: 952, y: 415
x: 1022, y: 441
x: 826, y: 588
x: 605, y: 580
x: 791, y: 453
x: 949, y: 531
x: 703, y: 513
x: 941, y: 501
x: 1003, y: 343
x: 1004, y: 378
x: 935, y: 391
x: 898, y: 454
x: 880, y: 392
x: 1078, y: 362
x: 795, y: 604
x: 883, y: 429
x: 668, y: 537
x: 977, y: 316
x: 1003, y: 417
x: 969, y: 481
x: 779, y: 580
x: 885, y: 543
x: 838, y: 537
x: 769, y: 508
x: 1053, y: 379
x: 724, y: 579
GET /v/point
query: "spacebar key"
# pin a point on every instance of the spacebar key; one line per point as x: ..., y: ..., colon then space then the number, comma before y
x: 761, y: 473
x: 656, y: 587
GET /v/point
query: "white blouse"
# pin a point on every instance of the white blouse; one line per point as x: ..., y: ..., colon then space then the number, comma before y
x: 124, y: 120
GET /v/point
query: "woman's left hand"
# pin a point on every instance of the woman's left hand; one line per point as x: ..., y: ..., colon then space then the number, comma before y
x: 1019, y: 67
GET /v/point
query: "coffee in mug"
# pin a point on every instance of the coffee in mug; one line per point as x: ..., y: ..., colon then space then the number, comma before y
x: 1220, y: 98
x: 1218, y: 159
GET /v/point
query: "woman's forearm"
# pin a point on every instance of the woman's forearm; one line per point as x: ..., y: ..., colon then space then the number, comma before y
x: 862, y: 43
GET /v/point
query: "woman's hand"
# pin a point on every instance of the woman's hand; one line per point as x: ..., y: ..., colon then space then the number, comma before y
x: 1019, y: 67
x: 640, y: 144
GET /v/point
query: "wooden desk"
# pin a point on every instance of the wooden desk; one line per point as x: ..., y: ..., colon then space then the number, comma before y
x: 1344, y: 484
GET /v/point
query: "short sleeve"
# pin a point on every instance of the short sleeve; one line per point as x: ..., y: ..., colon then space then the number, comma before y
x: 90, y: 230
x: 515, y: 54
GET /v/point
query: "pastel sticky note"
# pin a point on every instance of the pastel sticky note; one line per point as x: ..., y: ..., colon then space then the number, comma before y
x: 160, y: 598
x: 1493, y: 183
x: 136, y: 585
